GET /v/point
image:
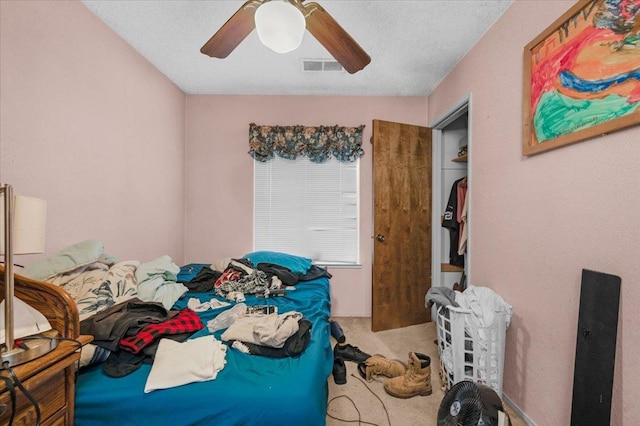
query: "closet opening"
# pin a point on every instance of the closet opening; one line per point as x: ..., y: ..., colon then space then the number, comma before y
x: 452, y: 189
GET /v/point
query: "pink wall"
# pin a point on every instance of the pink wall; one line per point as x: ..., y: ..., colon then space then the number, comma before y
x: 89, y: 125
x: 219, y: 175
x: 538, y: 221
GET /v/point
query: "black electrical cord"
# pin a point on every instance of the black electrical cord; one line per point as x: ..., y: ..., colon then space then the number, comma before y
x: 15, y: 264
x: 18, y: 383
x: 359, y: 419
x: 67, y: 339
x: 12, y: 392
x: 79, y: 348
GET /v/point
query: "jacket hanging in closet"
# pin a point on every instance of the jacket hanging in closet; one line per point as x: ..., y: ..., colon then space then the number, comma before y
x: 452, y: 217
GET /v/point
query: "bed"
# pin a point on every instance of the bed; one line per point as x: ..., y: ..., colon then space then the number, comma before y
x: 249, y: 390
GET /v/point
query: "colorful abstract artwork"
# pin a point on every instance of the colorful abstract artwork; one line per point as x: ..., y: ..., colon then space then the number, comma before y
x: 582, y: 75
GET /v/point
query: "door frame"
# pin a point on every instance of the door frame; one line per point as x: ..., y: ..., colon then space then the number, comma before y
x: 437, y: 126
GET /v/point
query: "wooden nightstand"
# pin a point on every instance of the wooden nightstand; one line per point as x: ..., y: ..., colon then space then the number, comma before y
x: 50, y: 379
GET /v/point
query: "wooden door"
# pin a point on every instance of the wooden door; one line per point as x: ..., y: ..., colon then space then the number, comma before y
x: 401, y: 224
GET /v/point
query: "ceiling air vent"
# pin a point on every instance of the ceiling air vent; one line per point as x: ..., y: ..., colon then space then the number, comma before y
x: 314, y: 65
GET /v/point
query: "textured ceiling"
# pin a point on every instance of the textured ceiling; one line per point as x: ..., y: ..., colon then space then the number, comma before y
x: 412, y: 44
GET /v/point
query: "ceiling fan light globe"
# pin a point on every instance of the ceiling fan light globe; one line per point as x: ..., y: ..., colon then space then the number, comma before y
x: 280, y: 26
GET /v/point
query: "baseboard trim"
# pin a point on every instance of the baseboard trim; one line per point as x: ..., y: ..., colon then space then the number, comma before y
x: 518, y: 410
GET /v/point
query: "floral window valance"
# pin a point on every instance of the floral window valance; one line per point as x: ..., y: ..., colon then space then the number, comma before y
x: 318, y: 143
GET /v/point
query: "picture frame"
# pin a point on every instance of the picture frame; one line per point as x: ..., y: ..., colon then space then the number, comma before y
x: 582, y: 75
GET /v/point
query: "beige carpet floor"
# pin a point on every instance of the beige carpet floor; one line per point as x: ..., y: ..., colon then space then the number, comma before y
x: 367, y: 402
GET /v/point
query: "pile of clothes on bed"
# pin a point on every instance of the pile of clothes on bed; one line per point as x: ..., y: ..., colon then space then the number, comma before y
x: 96, y: 280
x: 131, y: 309
x: 248, y: 275
x: 99, y: 282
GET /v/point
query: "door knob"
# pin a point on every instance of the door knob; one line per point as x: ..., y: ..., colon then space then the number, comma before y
x: 380, y: 238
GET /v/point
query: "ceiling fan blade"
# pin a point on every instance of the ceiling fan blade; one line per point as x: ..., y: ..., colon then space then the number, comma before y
x: 335, y: 39
x: 231, y: 34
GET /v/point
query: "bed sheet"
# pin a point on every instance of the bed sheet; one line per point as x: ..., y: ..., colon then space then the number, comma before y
x: 250, y: 390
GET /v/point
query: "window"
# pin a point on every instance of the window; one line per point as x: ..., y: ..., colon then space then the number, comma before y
x: 308, y: 209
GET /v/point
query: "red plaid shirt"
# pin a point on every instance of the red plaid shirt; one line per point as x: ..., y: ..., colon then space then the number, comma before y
x: 186, y: 321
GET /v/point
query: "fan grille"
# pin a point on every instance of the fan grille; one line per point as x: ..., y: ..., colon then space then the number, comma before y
x: 462, y: 405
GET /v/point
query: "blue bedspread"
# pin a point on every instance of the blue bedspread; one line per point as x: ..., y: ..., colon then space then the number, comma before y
x: 250, y: 390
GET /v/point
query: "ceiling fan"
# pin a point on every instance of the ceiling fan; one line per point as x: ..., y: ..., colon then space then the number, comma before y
x: 318, y: 22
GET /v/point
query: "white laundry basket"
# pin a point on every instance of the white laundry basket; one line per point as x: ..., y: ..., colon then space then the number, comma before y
x: 470, y: 352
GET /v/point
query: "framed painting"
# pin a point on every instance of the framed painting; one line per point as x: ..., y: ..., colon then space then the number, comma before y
x: 582, y: 75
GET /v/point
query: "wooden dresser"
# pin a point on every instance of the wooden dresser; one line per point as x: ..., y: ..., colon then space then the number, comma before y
x: 50, y: 379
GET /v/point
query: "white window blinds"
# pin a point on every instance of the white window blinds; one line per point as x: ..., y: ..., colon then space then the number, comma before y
x: 307, y: 209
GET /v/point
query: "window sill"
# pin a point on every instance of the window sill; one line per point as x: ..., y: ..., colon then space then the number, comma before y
x: 339, y: 265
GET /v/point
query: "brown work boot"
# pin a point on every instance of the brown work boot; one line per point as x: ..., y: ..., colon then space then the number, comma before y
x: 416, y: 380
x: 378, y: 365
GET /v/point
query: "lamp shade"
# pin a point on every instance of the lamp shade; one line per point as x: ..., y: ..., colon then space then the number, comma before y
x: 29, y: 219
x: 280, y: 25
